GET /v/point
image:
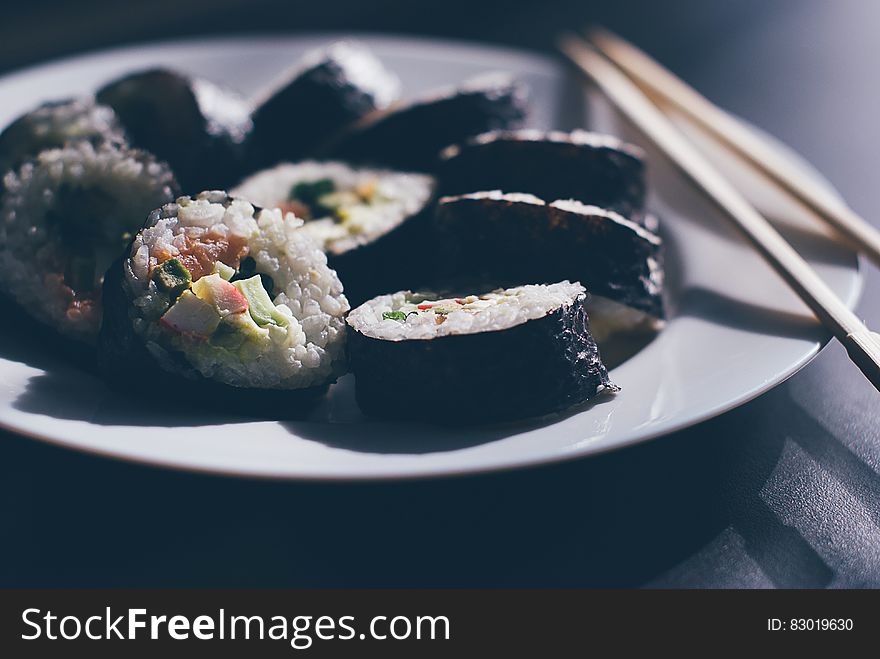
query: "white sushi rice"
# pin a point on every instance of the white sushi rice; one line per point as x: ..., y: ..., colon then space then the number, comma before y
x: 52, y: 125
x: 497, y: 310
x: 397, y: 196
x: 33, y: 249
x: 308, y: 351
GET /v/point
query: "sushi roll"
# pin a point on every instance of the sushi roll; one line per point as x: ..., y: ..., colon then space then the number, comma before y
x: 507, y: 354
x: 64, y: 218
x: 216, y: 296
x: 411, y: 135
x: 326, y: 91
x: 52, y: 125
x: 599, y: 170
x: 197, y: 127
x: 515, y: 238
x: 366, y: 220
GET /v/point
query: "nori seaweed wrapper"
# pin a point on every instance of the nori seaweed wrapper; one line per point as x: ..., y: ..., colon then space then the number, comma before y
x: 599, y: 170
x: 536, y: 368
x: 391, y: 262
x: 412, y: 135
x: 515, y: 239
x: 197, y: 127
x: 309, y: 104
x: 388, y: 263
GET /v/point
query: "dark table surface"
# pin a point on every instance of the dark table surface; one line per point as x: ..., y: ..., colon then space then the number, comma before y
x: 782, y: 492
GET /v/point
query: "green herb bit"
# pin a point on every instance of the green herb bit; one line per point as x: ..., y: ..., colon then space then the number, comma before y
x: 441, y: 311
x: 394, y: 315
x: 260, y: 305
x: 308, y: 192
x: 172, y: 277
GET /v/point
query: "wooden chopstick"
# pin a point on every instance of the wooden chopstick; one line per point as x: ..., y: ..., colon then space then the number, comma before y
x: 665, y: 88
x: 862, y: 345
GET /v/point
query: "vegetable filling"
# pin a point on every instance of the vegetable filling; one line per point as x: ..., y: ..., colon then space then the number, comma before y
x: 331, y: 212
x: 441, y: 308
x: 226, y: 308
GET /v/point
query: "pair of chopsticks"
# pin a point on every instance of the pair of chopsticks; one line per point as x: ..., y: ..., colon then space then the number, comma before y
x: 639, y: 87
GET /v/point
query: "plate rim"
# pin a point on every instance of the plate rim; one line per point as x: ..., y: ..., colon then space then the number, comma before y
x: 417, y: 472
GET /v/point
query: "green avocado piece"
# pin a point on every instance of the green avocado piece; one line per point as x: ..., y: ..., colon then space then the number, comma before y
x: 260, y: 305
x: 172, y: 277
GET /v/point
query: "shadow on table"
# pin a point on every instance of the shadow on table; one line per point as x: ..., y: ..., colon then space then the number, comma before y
x: 415, y: 438
x: 700, y: 302
x: 615, y: 520
x: 622, y: 519
x: 62, y: 393
x: 69, y: 386
x: 724, y: 310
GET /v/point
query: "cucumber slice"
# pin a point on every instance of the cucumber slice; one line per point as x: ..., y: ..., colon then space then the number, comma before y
x: 260, y: 305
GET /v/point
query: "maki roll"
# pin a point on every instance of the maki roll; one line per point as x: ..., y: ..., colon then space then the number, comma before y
x: 508, y: 354
x: 52, y: 125
x: 197, y: 127
x: 217, y: 296
x: 599, y: 170
x: 514, y: 238
x: 326, y: 91
x: 64, y: 218
x: 366, y: 220
x: 410, y: 136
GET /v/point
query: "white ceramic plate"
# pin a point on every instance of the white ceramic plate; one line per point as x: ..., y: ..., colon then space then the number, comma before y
x: 735, y: 330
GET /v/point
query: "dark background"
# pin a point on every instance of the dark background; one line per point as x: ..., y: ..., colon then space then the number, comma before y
x: 782, y: 492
